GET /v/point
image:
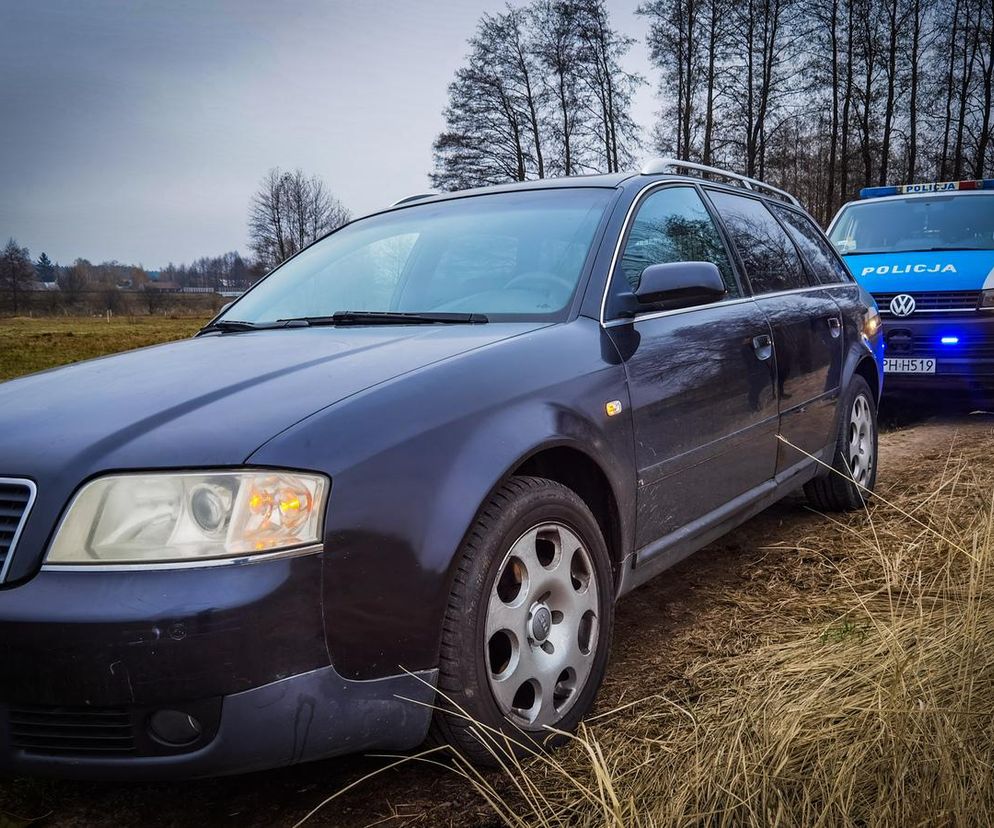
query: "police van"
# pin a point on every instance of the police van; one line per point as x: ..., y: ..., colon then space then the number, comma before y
x: 926, y: 253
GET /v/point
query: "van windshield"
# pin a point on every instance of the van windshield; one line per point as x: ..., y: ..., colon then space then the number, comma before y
x: 509, y: 256
x: 942, y: 222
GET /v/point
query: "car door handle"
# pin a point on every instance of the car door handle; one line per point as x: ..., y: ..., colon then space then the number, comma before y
x: 835, y: 325
x: 763, y: 346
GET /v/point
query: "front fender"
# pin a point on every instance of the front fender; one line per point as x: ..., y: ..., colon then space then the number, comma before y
x: 413, y: 460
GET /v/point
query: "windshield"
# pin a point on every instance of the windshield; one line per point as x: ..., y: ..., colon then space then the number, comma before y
x: 509, y: 256
x: 934, y: 223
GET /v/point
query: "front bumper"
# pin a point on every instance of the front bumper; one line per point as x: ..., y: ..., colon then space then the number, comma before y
x: 86, y: 658
x: 967, y: 363
x: 315, y: 715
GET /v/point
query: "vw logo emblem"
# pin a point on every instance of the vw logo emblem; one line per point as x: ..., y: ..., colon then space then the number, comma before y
x: 902, y: 305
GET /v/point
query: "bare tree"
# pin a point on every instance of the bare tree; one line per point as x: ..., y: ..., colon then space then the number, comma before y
x: 493, y: 132
x: 74, y: 281
x: 542, y: 90
x: 288, y: 212
x: 16, y: 272
x: 610, y: 85
x: 556, y: 25
x: 153, y: 298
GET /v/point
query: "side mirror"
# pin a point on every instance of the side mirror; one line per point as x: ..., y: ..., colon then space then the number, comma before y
x: 679, y: 284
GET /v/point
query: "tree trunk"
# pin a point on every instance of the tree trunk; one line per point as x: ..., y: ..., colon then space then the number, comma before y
x: 713, y: 32
x: 969, y: 63
x: 892, y: 43
x: 833, y: 146
x: 913, y: 103
x: 847, y: 103
x: 983, y: 141
x: 950, y: 68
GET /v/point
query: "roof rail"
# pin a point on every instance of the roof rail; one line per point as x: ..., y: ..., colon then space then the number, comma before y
x: 415, y: 197
x: 661, y: 165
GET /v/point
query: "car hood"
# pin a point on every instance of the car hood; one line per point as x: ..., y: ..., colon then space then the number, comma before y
x: 208, y: 401
x: 910, y: 272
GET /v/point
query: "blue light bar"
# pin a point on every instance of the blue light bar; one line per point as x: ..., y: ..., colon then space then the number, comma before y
x: 950, y: 340
x: 927, y: 187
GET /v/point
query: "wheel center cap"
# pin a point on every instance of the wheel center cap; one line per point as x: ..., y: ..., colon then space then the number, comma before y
x: 541, y: 623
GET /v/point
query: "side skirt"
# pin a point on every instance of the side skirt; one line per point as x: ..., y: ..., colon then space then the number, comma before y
x: 646, y: 563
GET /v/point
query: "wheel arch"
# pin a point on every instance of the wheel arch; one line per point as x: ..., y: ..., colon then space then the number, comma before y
x: 578, y: 471
x: 867, y: 369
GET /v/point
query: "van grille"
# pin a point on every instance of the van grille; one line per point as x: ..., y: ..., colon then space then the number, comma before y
x: 16, y: 497
x: 81, y: 731
x: 933, y: 301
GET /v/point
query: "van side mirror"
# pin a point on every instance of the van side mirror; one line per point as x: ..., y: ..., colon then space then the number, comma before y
x: 679, y: 284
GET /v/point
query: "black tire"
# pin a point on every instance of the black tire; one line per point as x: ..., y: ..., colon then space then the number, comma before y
x: 465, y: 693
x: 837, y: 491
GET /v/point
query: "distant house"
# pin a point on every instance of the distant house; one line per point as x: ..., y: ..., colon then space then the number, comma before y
x: 42, y: 286
x: 165, y: 287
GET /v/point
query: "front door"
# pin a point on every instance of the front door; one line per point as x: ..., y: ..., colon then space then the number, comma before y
x: 701, y: 379
x: 806, y: 323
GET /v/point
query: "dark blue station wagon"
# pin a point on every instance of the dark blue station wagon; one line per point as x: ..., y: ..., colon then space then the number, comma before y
x: 402, y: 482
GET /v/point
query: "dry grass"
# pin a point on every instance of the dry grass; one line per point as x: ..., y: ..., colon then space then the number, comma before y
x: 865, y: 696
x: 28, y: 345
x: 872, y: 705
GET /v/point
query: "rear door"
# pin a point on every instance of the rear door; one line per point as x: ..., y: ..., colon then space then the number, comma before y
x: 806, y: 322
x: 700, y: 378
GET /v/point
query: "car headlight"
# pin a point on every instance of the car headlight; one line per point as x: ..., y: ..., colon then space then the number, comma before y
x: 172, y: 517
x: 986, y: 300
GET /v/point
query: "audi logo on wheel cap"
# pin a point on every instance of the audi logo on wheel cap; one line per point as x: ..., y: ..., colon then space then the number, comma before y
x: 902, y: 305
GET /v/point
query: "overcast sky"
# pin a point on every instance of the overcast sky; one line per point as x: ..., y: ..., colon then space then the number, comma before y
x: 138, y: 130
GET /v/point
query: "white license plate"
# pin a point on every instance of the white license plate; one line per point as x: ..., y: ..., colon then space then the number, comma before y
x: 911, y: 365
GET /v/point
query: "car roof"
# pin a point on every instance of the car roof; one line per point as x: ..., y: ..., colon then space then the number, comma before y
x: 602, y: 180
x: 607, y: 180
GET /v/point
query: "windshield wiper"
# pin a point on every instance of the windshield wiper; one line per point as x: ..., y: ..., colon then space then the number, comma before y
x: 345, y: 318
x: 393, y: 318
x: 942, y: 249
x: 910, y: 250
x: 235, y: 325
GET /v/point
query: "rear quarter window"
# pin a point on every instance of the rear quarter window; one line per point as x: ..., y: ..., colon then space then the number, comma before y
x: 815, y: 248
x: 770, y: 259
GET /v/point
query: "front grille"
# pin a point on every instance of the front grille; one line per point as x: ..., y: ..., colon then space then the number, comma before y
x: 16, y: 497
x: 904, y: 343
x: 81, y: 731
x: 933, y: 301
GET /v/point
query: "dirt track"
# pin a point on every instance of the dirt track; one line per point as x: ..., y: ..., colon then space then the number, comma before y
x: 659, y: 632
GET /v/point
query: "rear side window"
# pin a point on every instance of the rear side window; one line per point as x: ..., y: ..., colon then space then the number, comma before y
x: 770, y: 258
x: 814, y: 246
x: 673, y: 225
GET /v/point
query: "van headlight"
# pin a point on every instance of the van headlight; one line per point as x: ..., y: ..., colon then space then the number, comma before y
x: 986, y: 300
x: 177, y: 517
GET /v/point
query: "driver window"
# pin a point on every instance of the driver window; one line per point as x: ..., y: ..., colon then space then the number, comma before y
x: 673, y: 225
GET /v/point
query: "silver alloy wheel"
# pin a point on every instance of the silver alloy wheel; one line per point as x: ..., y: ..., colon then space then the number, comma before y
x: 861, y: 457
x: 542, y: 625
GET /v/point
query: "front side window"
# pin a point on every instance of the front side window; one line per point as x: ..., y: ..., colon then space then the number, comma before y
x: 506, y: 255
x: 941, y: 222
x: 673, y: 225
x: 816, y: 250
x: 770, y: 259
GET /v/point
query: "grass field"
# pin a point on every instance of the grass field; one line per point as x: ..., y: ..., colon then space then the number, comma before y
x: 28, y: 345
